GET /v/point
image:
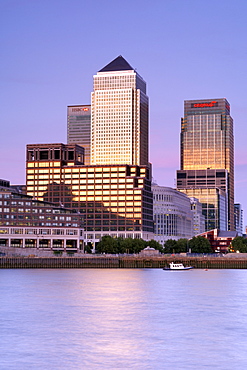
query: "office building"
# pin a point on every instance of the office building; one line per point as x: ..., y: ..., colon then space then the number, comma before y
x: 115, y: 200
x: 207, y: 160
x: 30, y: 223
x: 198, y: 218
x: 114, y: 192
x: 79, y: 128
x: 211, y: 188
x: 119, y: 130
x: 238, y: 218
x: 173, y: 218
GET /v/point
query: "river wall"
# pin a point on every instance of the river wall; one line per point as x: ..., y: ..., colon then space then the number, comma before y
x: 105, y: 261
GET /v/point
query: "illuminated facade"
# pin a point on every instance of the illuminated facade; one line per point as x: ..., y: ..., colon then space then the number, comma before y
x: 112, y: 188
x: 79, y: 128
x: 119, y: 130
x: 115, y: 200
x: 207, y: 144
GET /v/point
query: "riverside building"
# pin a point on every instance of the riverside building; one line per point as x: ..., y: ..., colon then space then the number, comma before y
x: 173, y: 217
x: 115, y: 200
x: 114, y: 192
x: 207, y: 160
x: 30, y: 223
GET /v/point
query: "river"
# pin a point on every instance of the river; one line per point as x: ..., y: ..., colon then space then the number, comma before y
x: 123, y: 319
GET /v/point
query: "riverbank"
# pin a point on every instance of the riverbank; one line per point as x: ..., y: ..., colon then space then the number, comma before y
x: 104, y: 261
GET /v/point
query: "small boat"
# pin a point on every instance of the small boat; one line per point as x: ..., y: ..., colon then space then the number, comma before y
x: 177, y: 267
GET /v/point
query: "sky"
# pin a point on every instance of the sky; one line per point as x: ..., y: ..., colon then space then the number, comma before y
x: 183, y: 49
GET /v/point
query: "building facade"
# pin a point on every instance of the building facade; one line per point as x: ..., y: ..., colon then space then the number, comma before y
x: 115, y: 200
x: 220, y: 241
x: 173, y: 218
x: 119, y: 124
x: 79, y: 128
x: 211, y: 188
x: 198, y: 218
x: 114, y: 191
x: 238, y: 218
x: 207, y: 143
x: 29, y: 223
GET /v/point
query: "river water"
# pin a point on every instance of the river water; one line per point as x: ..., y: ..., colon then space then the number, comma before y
x: 123, y: 319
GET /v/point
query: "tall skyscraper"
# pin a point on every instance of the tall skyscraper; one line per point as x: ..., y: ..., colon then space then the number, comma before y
x: 207, y: 159
x: 114, y: 191
x: 79, y: 128
x: 119, y: 131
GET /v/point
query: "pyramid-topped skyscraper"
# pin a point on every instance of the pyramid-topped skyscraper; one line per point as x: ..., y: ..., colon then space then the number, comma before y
x: 118, y: 64
x: 119, y: 126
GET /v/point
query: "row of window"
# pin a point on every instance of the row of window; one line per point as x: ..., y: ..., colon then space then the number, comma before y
x: 38, y: 231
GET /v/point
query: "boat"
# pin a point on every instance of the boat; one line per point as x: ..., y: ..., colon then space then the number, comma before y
x: 175, y: 266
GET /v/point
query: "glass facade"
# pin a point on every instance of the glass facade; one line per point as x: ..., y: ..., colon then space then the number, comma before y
x: 214, y: 206
x: 79, y: 128
x: 114, y: 190
x: 207, y: 143
x: 114, y: 199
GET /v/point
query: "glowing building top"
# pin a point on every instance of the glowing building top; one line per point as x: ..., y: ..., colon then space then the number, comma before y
x: 119, y: 123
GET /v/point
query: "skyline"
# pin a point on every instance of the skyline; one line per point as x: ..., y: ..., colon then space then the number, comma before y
x: 185, y: 51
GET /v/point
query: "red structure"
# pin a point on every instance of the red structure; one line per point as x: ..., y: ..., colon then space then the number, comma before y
x: 219, y: 240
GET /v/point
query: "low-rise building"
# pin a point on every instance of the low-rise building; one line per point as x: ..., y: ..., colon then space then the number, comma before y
x: 29, y: 223
x: 219, y: 240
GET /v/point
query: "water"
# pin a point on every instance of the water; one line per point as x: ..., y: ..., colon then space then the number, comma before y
x: 123, y: 319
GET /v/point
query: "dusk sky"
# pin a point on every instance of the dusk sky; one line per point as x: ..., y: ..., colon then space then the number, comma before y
x: 184, y: 49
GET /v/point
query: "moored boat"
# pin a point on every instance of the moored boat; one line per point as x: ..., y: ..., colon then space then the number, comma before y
x: 175, y: 266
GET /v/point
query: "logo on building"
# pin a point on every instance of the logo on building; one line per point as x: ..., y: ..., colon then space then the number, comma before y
x: 205, y: 105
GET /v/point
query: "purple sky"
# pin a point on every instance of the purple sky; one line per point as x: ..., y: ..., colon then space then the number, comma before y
x: 184, y: 49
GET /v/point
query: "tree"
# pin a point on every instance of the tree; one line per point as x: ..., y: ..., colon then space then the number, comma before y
x: 239, y: 244
x: 88, y: 248
x: 107, y: 245
x: 199, y: 244
x: 154, y: 244
x: 182, y: 245
x: 170, y: 246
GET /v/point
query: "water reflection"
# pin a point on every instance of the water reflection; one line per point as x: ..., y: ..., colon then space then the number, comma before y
x: 123, y: 319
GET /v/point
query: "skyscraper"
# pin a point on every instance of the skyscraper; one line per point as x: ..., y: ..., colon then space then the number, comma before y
x: 114, y: 191
x: 207, y: 159
x: 79, y: 127
x: 119, y: 131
